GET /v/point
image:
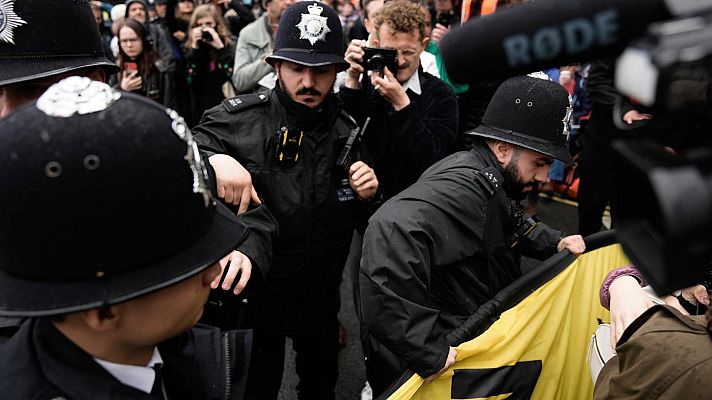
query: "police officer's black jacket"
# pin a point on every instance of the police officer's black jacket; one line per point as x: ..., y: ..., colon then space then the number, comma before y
x: 311, y: 199
x: 41, y: 363
x: 432, y: 255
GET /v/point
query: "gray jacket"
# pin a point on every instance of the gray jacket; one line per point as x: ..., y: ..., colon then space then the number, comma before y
x: 253, y: 45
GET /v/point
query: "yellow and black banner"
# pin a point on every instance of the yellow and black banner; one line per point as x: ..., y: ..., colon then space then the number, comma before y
x: 537, y: 348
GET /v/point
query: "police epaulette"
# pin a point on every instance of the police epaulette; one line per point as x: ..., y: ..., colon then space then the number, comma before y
x: 243, y: 101
x: 490, y: 178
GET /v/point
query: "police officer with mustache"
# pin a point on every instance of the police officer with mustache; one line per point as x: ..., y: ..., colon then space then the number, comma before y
x: 289, y: 140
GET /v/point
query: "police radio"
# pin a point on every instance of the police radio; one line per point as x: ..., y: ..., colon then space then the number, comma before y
x: 348, y: 155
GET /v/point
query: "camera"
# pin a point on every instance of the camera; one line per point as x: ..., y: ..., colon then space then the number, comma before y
x: 445, y: 19
x: 663, y: 211
x: 206, y: 37
x: 669, y: 67
x: 377, y: 58
x: 663, y: 201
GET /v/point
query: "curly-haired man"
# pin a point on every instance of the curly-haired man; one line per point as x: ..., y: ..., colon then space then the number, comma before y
x: 413, y: 114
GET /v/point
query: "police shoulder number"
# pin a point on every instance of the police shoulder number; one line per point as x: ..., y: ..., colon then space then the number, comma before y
x: 244, y: 101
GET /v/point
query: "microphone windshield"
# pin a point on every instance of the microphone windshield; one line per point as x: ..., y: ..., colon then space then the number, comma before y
x: 544, y: 34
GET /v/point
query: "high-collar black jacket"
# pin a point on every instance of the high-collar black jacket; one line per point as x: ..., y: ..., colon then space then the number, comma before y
x: 310, y: 198
x: 40, y: 363
x: 432, y: 255
x: 405, y: 143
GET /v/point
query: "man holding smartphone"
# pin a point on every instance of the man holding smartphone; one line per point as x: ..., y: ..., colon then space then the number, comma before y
x: 413, y: 114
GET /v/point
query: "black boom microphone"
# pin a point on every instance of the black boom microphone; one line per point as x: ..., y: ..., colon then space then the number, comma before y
x: 545, y: 33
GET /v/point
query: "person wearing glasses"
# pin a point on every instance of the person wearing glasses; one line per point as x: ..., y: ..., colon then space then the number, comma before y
x: 413, y: 114
x: 142, y: 69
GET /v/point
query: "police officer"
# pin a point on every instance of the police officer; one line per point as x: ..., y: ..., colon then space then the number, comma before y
x: 438, y: 250
x: 42, y: 42
x: 289, y: 140
x: 111, y: 279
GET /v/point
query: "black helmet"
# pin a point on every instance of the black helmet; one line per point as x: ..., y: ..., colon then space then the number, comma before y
x: 529, y: 112
x: 310, y: 34
x: 84, y: 222
x: 39, y: 39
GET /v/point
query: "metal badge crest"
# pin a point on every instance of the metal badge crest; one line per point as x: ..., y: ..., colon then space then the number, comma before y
x: 568, y: 117
x: 76, y: 95
x: 192, y: 155
x: 313, y: 26
x: 8, y: 21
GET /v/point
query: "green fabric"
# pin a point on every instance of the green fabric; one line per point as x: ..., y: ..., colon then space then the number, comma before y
x: 456, y: 87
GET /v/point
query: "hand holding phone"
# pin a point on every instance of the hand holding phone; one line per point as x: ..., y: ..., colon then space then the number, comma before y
x: 131, y: 81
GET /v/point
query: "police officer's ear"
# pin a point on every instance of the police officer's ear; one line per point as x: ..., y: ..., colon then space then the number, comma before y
x: 502, y: 150
x: 276, y: 64
x: 101, y: 319
x: 98, y: 74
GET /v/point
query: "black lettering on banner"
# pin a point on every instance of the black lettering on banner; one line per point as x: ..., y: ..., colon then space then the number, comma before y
x: 519, y: 379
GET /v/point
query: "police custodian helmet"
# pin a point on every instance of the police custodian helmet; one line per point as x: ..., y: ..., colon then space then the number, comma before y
x: 39, y: 39
x: 309, y: 34
x: 103, y: 198
x: 529, y: 112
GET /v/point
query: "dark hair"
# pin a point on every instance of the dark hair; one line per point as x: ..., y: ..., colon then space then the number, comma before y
x: 148, y: 55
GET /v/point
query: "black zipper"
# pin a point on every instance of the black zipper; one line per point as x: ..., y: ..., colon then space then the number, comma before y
x: 228, y: 364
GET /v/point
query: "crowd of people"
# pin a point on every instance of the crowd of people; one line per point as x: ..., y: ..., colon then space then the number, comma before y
x: 280, y: 135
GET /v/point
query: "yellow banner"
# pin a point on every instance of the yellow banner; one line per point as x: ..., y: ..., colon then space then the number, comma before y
x: 537, y: 349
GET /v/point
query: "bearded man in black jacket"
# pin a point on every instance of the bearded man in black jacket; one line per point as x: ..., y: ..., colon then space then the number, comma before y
x: 438, y: 250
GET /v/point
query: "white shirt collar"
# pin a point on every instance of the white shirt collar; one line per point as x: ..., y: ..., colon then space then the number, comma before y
x: 137, y: 377
x: 413, y: 83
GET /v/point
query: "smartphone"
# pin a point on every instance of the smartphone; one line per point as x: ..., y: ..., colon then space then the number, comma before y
x: 130, y: 66
x: 130, y: 70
